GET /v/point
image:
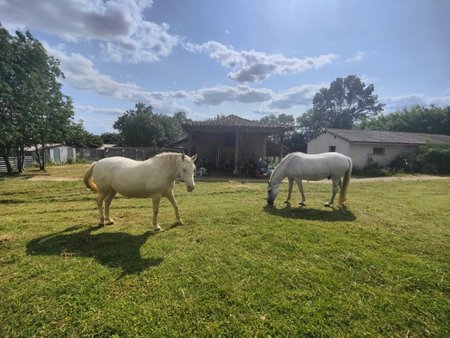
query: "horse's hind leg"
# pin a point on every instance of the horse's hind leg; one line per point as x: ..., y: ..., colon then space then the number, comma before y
x: 335, y: 189
x: 300, y: 188
x: 173, y: 201
x: 108, y: 201
x: 155, y: 200
x: 100, y: 198
x: 291, y: 183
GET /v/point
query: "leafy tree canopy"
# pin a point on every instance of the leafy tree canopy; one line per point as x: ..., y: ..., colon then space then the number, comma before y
x: 140, y: 127
x: 346, y: 103
x: 418, y: 119
x: 33, y: 109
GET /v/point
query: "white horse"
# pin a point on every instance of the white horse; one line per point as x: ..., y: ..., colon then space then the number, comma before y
x: 298, y: 166
x: 153, y: 178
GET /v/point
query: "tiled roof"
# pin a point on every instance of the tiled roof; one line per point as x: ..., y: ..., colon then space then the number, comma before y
x: 376, y: 136
x: 233, y: 121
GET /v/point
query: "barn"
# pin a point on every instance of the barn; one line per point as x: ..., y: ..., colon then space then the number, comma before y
x: 232, y: 143
x: 371, y: 146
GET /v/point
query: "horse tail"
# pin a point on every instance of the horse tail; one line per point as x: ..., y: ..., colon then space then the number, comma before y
x: 346, y: 181
x: 87, y: 179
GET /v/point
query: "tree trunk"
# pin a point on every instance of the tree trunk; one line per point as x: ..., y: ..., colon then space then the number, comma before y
x: 20, y: 158
x: 5, y: 154
x: 42, y: 157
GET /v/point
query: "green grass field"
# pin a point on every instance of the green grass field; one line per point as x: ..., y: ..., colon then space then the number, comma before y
x: 236, y: 268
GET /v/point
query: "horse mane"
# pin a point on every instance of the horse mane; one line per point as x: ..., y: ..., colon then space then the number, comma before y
x: 169, y: 157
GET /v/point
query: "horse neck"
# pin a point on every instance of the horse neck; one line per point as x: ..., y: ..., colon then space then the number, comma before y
x: 167, y: 164
x: 278, y: 173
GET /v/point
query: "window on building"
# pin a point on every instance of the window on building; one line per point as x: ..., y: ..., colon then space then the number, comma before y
x: 378, y: 151
x: 332, y: 149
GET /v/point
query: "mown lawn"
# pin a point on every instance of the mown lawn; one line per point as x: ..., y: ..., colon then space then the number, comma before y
x: 235, y: 268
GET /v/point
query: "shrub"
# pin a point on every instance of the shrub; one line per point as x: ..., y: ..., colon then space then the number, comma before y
x: 430, y: 159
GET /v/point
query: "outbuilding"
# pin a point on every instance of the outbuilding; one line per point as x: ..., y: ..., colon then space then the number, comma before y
x: 371, y: 146
x: 232, y: 142
x: 55, y: 153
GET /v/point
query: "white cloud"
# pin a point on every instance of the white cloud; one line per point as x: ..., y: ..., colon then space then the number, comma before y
x: 252, y: 66
x: 101, y: 110
x: 220, y: 94
x: 394, y: 103
x: 117, y: 26
x: 297, y: 96
x: 359, y: 56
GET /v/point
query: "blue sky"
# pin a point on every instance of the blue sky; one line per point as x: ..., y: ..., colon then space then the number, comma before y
x: 248, y: 58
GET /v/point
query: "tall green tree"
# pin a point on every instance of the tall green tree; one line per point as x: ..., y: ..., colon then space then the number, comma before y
x: 32, y: 103
x: 346, y: 103
x: 48, y: 112
x: 9, y: 131
x: 138, y: 127
x: 79, y: 137
x: 417, y: 119
x: 141, y: 127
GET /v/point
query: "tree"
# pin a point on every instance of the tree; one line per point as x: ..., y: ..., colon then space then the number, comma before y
x: 418, y: 119
x: 346, y: 103
x: 46, y: 112
x: 8, y: 127
x: 282, y: 118
x: 79, y: 137
x: 140, y: 127
x: 111, y: 138
x: 32, y: 108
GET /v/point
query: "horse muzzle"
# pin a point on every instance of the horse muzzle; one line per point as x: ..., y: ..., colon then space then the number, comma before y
x: 190, y: 188
x: 269, y: 202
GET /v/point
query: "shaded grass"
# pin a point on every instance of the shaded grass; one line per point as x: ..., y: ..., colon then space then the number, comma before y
x: 236, y: 268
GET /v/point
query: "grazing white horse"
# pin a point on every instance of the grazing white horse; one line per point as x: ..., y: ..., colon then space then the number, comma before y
x: 298, y: 166
x: 153, y: 178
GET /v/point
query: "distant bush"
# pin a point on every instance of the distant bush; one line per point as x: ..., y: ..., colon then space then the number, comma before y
x: 372, y: 169
x: 430, y: 159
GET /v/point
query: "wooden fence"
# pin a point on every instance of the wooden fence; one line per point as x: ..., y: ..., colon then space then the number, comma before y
x: 28, y: 162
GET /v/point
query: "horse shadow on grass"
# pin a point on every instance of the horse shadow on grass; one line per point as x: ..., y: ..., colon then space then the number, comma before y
x: 111, y: 249
x: 327, y: 215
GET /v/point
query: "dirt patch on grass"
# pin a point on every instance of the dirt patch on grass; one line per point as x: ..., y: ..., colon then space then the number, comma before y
x: 54, y: 178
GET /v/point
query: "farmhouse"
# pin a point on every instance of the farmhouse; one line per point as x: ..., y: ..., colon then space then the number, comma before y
x: 366, y: 146
x: 233, y: 143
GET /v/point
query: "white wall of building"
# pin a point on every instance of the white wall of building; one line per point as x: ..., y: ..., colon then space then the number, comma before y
x: 358, y: 152
x: 65, y: 153
x: 323, y: 142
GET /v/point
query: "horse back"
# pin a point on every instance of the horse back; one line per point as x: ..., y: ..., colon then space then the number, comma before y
x: 319, y: 166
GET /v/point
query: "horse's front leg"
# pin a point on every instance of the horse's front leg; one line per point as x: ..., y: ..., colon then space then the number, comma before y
x: 291, y: 183
x: 156, y: 200
x: 335, y: 189
x: 173, y: 201
x: 300, y: 188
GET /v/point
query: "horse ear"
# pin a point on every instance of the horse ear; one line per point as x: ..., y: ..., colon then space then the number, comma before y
x: 182, y: 156
x: 193, y: 158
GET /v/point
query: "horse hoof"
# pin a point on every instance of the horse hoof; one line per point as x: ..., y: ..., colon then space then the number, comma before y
x: 111, y: 222
x: 179, y: 222
x: 158, y: 228
x: 302, y: 204
x: 328, y: 205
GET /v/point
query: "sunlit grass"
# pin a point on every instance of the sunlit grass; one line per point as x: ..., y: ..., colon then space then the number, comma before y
x: 235, y: 268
